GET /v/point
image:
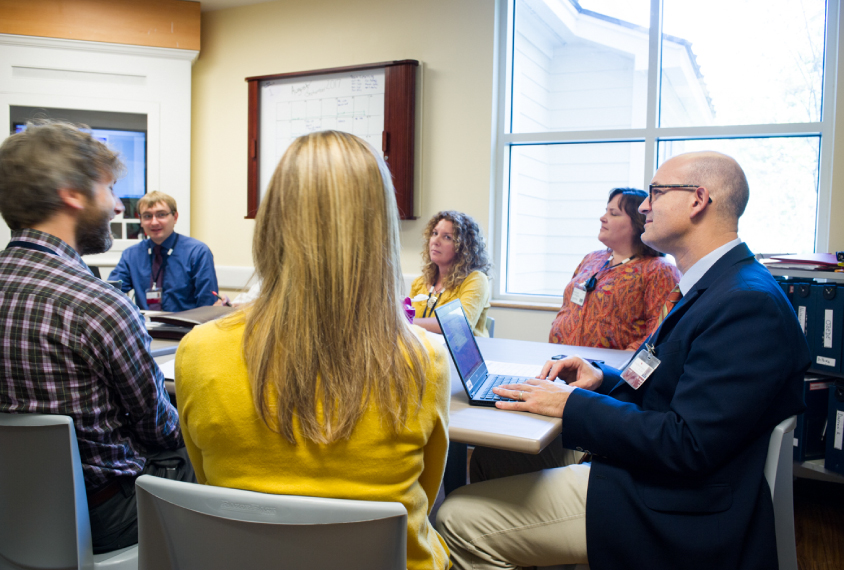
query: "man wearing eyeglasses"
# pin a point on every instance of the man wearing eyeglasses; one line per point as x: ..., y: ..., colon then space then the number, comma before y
x: 679, y: 437
x: 167, y: 271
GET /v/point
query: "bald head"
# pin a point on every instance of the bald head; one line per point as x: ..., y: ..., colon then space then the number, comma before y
x: 722, y: 176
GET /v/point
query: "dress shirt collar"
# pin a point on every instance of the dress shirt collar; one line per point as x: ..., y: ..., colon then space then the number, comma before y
x: 699, y: 269
x: 50, y: 241
x: 166, y: 244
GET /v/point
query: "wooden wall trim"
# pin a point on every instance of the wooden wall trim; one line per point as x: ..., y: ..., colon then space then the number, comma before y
x: 152, y: 23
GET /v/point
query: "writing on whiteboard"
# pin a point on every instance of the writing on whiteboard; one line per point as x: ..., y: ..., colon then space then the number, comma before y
x: 350, y: 102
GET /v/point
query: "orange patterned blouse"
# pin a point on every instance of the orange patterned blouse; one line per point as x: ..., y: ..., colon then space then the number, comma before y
x: 623, y: 308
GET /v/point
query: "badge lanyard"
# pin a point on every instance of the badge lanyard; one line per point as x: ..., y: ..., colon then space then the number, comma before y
x: 641, y: 367
x: 578, y: 294
x: 30, y: 245
x: 432, y: 302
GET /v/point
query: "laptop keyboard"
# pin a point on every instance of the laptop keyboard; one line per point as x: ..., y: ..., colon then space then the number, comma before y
x: 498, y: 381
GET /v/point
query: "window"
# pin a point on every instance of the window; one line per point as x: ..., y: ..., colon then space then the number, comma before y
x: 596, y: 94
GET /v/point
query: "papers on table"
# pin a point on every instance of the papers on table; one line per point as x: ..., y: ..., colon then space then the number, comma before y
x: 169, y: 369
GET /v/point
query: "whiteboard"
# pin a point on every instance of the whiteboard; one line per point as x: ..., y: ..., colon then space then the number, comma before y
x: 352, y: 102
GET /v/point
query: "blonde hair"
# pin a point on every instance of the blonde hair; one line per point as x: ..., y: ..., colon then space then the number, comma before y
x: 150, y: 199
x: 327, y: 333
x: 469, y: 250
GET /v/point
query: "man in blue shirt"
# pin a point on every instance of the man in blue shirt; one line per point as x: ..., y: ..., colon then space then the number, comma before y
x: 168, y: 271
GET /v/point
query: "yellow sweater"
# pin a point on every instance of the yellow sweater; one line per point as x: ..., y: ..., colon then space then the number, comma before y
x: 230, y: 446
x: 473, y: 294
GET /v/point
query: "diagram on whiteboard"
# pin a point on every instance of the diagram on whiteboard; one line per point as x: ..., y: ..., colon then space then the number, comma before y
x: 351, y: 102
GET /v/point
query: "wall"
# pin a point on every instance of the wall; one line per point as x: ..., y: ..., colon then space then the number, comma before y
x: 453, y: 42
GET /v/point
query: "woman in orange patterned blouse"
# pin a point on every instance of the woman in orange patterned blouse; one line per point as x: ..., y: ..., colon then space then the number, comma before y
x: 616, y: 295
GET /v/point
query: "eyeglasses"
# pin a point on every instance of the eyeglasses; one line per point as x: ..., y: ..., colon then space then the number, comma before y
x: 158, y: 215
x: 657, y: 190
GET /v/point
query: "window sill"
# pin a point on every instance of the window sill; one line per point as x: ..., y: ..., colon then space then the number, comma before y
x: 523, y: 305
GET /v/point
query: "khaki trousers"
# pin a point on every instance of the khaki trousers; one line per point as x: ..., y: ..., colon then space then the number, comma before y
x: 535, y: 518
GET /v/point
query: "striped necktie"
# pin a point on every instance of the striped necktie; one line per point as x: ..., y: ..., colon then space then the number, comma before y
x: 673, y: 298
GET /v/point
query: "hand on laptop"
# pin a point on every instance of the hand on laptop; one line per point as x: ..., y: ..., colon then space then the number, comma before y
x: 537, y: 396
x: 575, y: 371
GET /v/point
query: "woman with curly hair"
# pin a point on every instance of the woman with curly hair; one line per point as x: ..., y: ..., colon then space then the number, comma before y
x: 455, y: 266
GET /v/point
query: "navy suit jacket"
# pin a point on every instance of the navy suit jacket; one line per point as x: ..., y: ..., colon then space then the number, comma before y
x: 677, y: 479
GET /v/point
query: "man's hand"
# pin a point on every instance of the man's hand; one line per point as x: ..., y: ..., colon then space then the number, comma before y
x: 574, y: 371
x: 536, y: 396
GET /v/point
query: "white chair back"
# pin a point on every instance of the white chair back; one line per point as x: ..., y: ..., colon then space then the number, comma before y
x: 43, y: 507
x: 779, y: 467
x: 185, y: 526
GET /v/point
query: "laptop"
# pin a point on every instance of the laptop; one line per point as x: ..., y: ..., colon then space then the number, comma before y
x: 470, y: 365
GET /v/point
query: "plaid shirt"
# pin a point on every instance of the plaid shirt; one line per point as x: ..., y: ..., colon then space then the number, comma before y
x: 71, y: 344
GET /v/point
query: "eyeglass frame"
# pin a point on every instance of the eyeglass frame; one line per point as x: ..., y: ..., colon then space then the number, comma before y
x: 148, y: 216
x: 670, y: 187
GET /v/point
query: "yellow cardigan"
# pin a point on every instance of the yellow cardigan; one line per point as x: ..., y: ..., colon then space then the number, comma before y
x: 230, y: 446
x: 473, y: 294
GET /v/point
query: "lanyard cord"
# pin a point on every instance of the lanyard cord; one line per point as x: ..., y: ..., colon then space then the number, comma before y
x: 592, y: 282
x: 38, y: 247
x: 164, y: 260
x: 30, y: 245
x: 430, y: 306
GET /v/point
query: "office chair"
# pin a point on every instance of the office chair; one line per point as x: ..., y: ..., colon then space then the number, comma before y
x: 779, y: 467
x: 185, y: 526
x: 778, y: 472
x: 43, y: 507
x: 490, y: 326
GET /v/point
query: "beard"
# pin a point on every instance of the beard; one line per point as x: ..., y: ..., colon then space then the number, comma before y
x: 93, y: 232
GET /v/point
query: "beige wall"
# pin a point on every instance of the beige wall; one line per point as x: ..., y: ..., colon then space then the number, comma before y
x: 452, y: 40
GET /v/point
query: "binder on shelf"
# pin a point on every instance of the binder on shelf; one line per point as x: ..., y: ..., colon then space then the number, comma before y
x: 834, y: 460
x: 809, y: 440
x: 802, y: 302
x: 826, y: 322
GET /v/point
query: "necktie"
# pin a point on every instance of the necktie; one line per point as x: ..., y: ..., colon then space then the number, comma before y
x: 157, y: 276
x: 673, y: 298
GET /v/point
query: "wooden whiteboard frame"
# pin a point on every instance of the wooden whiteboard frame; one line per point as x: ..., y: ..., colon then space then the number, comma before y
x: 397, y: 140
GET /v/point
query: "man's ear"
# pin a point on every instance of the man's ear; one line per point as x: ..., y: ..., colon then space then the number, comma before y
x: 73, y: 199
x: 701, y: 201
x: 175, y: 217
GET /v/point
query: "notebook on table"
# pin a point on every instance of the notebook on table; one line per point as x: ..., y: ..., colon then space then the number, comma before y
x: 476, y: 379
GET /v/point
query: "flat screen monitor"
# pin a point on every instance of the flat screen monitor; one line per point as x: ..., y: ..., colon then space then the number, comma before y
x: 132, y: 148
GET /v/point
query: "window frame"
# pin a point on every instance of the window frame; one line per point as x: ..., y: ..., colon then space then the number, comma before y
x: 651, y: 135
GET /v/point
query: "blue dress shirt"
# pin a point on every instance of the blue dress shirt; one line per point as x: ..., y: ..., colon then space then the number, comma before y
x: 189, y: 275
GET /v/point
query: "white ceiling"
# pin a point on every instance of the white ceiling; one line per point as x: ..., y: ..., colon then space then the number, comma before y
x: 211, y: 5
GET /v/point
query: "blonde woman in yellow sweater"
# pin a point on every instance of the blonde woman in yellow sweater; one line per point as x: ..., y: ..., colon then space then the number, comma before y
x: 322, y: 387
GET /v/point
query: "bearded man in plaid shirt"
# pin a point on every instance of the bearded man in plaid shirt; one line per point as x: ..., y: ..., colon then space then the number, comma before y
x: 70, y: 343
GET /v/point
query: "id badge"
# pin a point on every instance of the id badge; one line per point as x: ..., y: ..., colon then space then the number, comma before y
x: 154, y: 299
x: 640, y: 368
x: 578, y: 295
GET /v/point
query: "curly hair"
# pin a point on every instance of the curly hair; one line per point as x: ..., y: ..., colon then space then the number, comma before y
x: 469, y: 250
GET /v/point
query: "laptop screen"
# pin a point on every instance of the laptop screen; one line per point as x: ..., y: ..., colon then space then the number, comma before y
x: 458, y: 335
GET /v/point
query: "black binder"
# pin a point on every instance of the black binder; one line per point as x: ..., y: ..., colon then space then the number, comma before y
x: 826, y: 324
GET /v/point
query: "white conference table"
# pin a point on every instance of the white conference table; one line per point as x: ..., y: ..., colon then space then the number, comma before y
x: 478, y: 425
x: 513, y: 431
